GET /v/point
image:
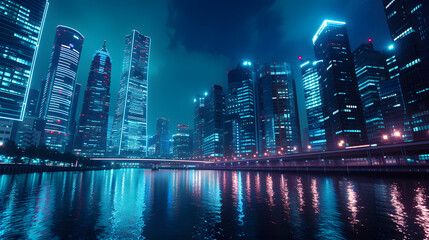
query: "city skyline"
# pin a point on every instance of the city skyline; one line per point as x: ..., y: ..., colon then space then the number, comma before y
x: 180, y: 84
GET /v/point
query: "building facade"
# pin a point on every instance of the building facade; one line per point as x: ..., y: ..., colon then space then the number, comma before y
x: 279, y: 124
x: 214, y: 117
x: 162, y: 138
x: 396, y: 119
x: 91, y: 140
x: 182, y: 142
x: 198, y: 126
x: 21, y: 31
x: 408, y: 22
x: 310, y: 71
x: 342, y: 108
x: 370, y: 66
x: 241, y: 126
x: 129, y: 131
x: 59, y: 89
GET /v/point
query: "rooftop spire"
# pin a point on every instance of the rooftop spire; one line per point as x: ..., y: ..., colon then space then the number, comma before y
x: 104, y: 47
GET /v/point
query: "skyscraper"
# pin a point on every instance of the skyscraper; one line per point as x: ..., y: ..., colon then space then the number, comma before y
x: 214, y: 117
x: 313, y: 104
x: 408, y: 22
x: 182, y: 142
x: 129, y: 131
x: 58, y: 93
x: 198, y: 126
x: 93, y: 123
x: 21, y: 31
x: 278, y: 109
x: 241, y: 111
x: 26, y: 135
x: 370, y: 66
x: 396, y: 120
x: 162, y: 138
x: 342, y: 108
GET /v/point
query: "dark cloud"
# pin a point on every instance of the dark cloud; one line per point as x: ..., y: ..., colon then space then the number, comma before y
x: 236, y: 29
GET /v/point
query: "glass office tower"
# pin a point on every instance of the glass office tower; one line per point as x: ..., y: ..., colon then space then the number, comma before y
x: 214, y: 117
x: 241, y: 111
x: 370, y: 66
x: 21, y: 31
x: 310, y: 71
x: 129, y: 131
x: 162, y: 138
x: 93, y: 123
x: 342, y: 108
x: 408, y: 22
x: 58, y: 93
x: 278, y: 109
x: 198, y: 126
x: 396, y: 119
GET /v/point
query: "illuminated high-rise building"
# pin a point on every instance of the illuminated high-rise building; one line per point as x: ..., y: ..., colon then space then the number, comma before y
x: 278, y: 109
x: 59, y: 89
x: 214, y: 117
x: 162, y: 138
x: 408, y: 22
x: 313, y: 104
x: 342, y: 108
x: 241, y: 122
x: 198, y: 134
x: 129, y: 131
x: 182, y: 142
x: 93, y: 123
x: 21, y: 27
x: 370, y: 66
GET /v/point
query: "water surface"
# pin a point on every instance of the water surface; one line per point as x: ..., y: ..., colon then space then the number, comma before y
x: 180, y: 204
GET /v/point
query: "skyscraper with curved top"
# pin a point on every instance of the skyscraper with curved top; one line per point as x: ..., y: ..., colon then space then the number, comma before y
x: 129, y: 131
x: 59, y: 88
x: 92, y: 133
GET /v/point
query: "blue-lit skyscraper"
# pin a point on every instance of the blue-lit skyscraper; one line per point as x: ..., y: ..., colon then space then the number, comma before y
x: 214, y: 117
x: 21, y: 24
x: 370, y: 68
x: 129, y: 131
x: 162, y: 138
x: 396, y: 120
x: 278, y: 109
x: 198, y: 135
x: 93, y: 124
x: 313, y: 104
x: 59, y: 91
x: 408, y: 22
x: 342, y: 108
x: 241, y: 111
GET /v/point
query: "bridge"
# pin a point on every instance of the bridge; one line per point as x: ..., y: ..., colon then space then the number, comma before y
x: 414, y: 154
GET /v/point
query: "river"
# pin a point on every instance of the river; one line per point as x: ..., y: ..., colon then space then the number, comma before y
x: 193, y: 204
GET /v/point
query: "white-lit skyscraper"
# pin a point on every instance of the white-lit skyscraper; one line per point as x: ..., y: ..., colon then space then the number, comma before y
x: 21, y: 24
x: 129, y: 131
x: 59, y: 89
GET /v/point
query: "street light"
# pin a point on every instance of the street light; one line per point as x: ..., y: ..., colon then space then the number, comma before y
x: 397, y: 134
x: 309, y: 147
x: 385, y: 137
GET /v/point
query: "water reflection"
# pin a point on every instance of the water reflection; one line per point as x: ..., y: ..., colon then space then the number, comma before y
x: 400, y: 215
x: 142, y: 204
x: 423, y: 213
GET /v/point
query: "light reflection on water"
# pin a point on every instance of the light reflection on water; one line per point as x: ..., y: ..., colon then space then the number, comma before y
x: 145, y: 204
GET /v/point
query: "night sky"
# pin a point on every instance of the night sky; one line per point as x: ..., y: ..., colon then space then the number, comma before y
x: 195, y: 42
